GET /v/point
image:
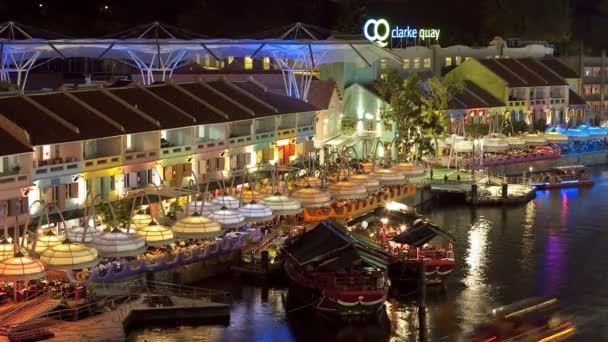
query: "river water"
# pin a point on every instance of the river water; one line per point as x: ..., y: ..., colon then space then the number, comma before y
x: 555, y: 245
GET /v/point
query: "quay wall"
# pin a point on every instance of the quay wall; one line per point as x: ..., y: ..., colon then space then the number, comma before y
x: 587, y: 159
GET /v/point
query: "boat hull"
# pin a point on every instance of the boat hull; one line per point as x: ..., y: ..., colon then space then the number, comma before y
x: 435, y: 272
x: 549, y: 186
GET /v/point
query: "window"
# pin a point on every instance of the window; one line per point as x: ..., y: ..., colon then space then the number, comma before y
x: 207, y: 60
x: 416, y: 63
x: 55, y: 191
x: 406, y: 63
x: 467, y: 58
x: 448, y: 61
x: 248, y: 63
x: 112, y: 183
x: 266, y: 63
x: 88, y: 186
x: 427, y: 63
x: 126, y: 181
x: 458, y: 59
x: 587, y: 71
x: 230, y: 59
x: 383, y: 64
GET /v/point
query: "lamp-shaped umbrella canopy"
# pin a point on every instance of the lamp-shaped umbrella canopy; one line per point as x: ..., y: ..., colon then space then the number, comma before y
x: 310, y: 197
x: 409, y: 169
x: 69, y: 256
x: 282, y: 205
x: 141, y: 219
x: 256, y: 212
x: 389, y: 177
x: 76, y: 233
x: 251, y: 195
x: 535, y: 139
x: 314, y: 182
x: 7, y: 249
x: 202, y: 208
x: 346, y: 189
x: 156, y: 235
x: 453, y: 138
x: 227, y: 201
x: 494, y: 144
x: 228, y: 218
x: 367, y: 166
x: 197, y: 227
x: 116, y: 243
x: 21, y: 268
x: 370, y: 183
x: 463, y: 146
x: 516, y: 141
x: 47, y: 240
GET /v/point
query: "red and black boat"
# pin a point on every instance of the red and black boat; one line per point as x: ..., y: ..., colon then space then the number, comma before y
x: 336, y: 272
x: 561, y: 177
x: 413, y: 240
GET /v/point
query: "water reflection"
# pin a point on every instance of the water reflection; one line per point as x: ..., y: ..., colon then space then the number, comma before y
x: 527, y: 237
x: 475, y: 300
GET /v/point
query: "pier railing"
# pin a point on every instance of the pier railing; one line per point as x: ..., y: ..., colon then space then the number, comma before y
x: 216, y: 296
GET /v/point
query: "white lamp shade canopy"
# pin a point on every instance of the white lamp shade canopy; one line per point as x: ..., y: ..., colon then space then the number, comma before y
x: 228, y: 218
x: 517, y: 141
x: 310, y: 197
x: 282, y: 205
x: 370, y: 183
x: 46, y: 240
x: 116, y: 243
x: 227, y: 201
x: 535, y: 139
x: 21, y: 268
x: 204, y: 209
x: 556, y: 138
x: 70, y: 256
x: 76, y: 233
x: 156, y: 235
x: 389, y: 177
x: 347, y: 190
x: 463, y: 146
x: 495, y: 144
x: 197, y: 227
x: 256, y: 212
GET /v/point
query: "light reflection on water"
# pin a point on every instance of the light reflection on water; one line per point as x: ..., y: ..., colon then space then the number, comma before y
x: 555, y: 244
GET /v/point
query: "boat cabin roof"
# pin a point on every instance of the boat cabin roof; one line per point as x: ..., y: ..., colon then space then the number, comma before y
x: 570, y: 168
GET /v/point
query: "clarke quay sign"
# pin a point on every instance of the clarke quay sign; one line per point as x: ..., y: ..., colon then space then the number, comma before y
x: 379, y: 30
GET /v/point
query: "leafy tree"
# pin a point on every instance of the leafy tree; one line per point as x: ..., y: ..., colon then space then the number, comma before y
x: 401, y: 110
x: 476, y: 130
x: 122, y: 213
x: 434, y: 104
x: 540, y: 125
x: 516, y: 127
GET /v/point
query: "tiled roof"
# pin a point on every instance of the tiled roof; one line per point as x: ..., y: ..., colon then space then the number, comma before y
x: 166, y: 114
x: 223, y: 103
x: 523, y: 72
x: 10, y: 145
x: 89, y: 124
x: 81, y: 114
x: 575, y: 99
x: 284, y: 104
x: 320, y: 93
x: 187, y: 102
x: 559, y: 67
x: 122, y: 113
x: 472, y: 96
x: 42, y: 128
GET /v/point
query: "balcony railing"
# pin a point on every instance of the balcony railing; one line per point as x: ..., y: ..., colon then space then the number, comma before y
x: 138, y: 157
x: 239, y: 140
x: 175, y: 151
x: 517, y: 103
x: 286, y: 133
x: 538, y: 102
x: 306, y: 130
x: 211, y: 145
x: 557, y: 100
x: 58, y: 168
x: 264, y: 136
x: 12, y: 181
x: 102, y: 163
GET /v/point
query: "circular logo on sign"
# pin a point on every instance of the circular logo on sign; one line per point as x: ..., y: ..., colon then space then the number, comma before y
x: 377, y: 31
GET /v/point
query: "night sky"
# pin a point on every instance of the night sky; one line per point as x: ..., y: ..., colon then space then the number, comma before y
x: 461, y: 21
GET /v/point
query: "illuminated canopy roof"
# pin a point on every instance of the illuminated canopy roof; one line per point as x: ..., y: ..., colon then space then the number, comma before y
x: 115, y: 243
x: 69, y: 256
x: 197, y: 227
x: 184, y: 51
x: 21, y: 267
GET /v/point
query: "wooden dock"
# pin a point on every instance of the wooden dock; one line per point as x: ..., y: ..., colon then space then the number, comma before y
x: 112, y: 325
